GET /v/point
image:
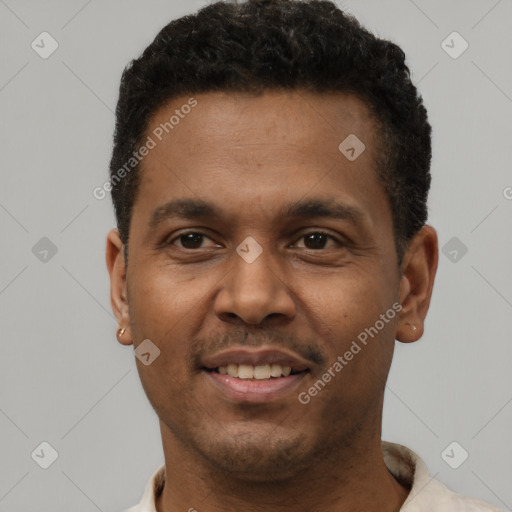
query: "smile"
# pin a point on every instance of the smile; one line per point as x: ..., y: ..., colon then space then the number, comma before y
x: 260, y: 372
x: 258, y: 376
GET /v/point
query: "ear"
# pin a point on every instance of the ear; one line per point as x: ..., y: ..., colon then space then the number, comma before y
x: 418, y: 273
x: 118, y: 295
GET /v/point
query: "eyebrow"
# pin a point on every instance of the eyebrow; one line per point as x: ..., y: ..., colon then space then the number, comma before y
x: 304, y: 209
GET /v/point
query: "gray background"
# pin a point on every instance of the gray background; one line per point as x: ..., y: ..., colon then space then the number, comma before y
x: 65, y: 380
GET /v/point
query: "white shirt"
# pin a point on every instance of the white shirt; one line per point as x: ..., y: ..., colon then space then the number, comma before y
x: 426, y: 494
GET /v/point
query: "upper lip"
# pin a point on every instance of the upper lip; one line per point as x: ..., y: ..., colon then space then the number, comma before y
x: 256, y: 357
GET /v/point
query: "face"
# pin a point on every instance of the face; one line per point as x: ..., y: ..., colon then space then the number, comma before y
x: 258, y: 256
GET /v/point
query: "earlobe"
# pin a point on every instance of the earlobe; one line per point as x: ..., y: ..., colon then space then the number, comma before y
x: 418, y: 274
x: 118, y: 298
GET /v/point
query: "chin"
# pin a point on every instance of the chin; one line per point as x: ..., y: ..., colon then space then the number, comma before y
x: 259, y: 461
x: 274, y: 454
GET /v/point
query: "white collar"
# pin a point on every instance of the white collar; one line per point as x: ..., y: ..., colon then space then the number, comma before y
x: 426, y: 493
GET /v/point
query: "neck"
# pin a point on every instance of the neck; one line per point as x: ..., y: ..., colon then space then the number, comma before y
x: 350, y: 478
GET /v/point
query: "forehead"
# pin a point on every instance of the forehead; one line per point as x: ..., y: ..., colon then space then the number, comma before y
x: 272, y: 119
x: 243, y: 151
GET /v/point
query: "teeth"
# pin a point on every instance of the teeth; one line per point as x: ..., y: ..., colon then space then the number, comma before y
x: 245, y: 371
x: 275, y: 370
x: 248, y: 371
x: 261, y: 372
x: 232, y: 370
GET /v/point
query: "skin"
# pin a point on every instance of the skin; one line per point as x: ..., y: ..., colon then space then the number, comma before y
x: 252, y: 156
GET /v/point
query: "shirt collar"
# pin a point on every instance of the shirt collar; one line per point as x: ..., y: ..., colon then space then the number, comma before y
x: 404, y: 464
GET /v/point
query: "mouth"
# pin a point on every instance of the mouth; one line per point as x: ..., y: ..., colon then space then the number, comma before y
x: 255, y: 376
x: 251, y: 372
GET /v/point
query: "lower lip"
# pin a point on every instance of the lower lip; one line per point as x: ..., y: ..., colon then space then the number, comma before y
x: 254, y: 391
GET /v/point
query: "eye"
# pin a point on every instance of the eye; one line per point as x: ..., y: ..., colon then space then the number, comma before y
x: 314, y: 240
x: 317, y: 240
x: 190, y: 240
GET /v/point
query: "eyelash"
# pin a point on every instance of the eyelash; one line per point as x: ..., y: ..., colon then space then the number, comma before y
x: 339, y: 242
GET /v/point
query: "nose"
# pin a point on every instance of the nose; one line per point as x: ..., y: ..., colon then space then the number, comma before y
x: 253, y: 292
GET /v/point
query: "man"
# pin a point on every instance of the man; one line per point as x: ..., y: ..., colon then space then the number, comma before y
x: 270, y: 175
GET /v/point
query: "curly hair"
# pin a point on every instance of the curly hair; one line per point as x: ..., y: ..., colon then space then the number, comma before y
x: 263, y: 45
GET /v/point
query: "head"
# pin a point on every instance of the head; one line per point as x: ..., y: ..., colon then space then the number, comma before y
x: 283, y: 45
x: 245, y: 224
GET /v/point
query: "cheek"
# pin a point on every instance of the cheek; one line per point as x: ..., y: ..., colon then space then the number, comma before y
x: 350, y: 326
x: 348, y: 302
x: 162, y: 311
x: 160, y: 301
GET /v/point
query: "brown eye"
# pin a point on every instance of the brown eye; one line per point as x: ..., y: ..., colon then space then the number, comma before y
x: 190, y: 240
x: 317, y: 240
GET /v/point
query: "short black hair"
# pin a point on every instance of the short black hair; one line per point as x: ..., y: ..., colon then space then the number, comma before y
x: 262, y: 45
